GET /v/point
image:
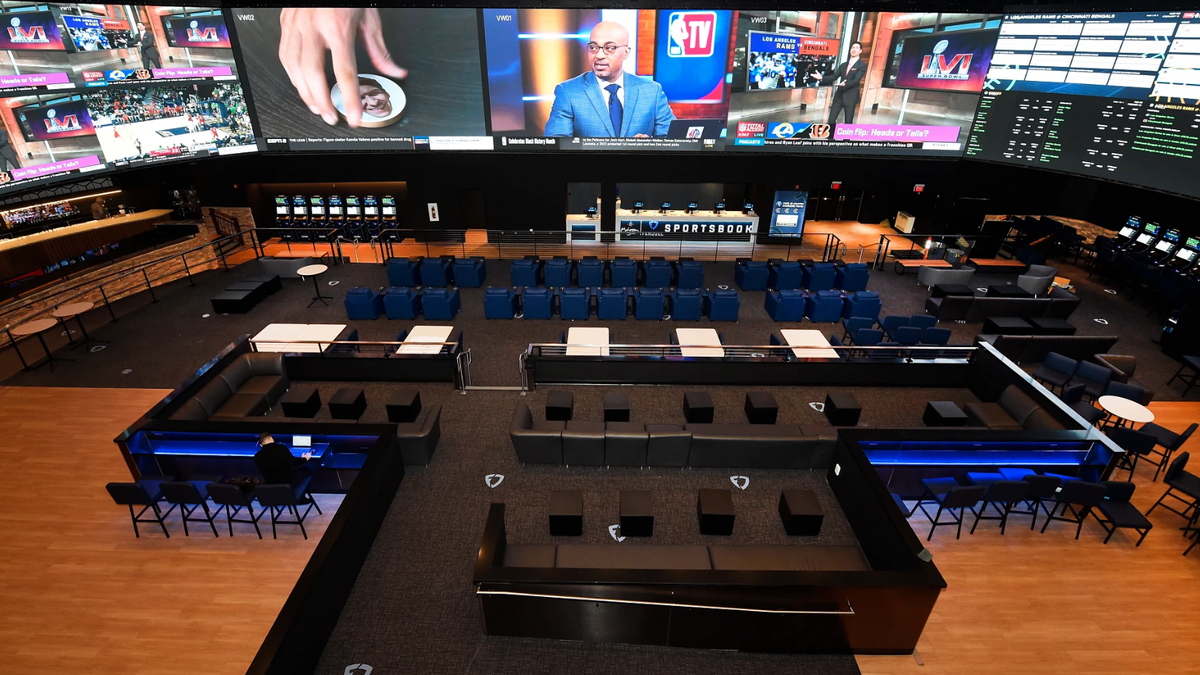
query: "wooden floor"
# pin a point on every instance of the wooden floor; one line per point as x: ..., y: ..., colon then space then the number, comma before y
x: 79, y: 594
x: 1034, y: 603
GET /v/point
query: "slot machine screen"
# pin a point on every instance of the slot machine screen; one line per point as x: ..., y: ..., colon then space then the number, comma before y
x: 1192, y: 243
x: 1171, y: 236
x: 1164, y: 245
x: 1144, y: 238
x: 281, y: 210
x: 318, y: 210
x: 1185, y: 254
x: 371, y: 210
x: 300, y: 210
x: 335, y: 211
x: 1128, y: 232
x: 1152, y: 228
x: 389, y: 210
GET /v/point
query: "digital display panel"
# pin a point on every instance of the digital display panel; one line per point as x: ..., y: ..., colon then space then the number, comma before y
x: 1192, y: 242
x: 1186, y: 254
x: 837, y: 82
x: 1164, y: 245
x: 787, y: 214
x: 65, y: 119
x: 1144, y: 238
x: 1152, y: 228
x: 197, y: 31
x: 1127, y: 231
x: 1111, y: 95
x: 1171, y: 236
x: 30, y: 31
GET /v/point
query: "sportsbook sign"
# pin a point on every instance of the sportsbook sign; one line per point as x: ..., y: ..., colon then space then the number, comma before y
x: 683, y: 229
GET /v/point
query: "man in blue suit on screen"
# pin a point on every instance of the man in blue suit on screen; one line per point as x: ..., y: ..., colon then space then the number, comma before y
x: 607, y: 102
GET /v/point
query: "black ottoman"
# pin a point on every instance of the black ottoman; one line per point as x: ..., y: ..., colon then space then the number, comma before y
x: 1007, y: 325
x: 715, y: 509
x: 761, y: 408
x: 943, y: 414
x: 559, y: 405
x: 697, y: 407
x: 404, y: 405
x: 233, y: 302
x: 566, y: 513
x: 1045, y: 326
x: 616, y: 407
x: 347, y: 404
x: 301, y: 401
x: 950, y: 290
x: 637, y: 513
x: 269, y: 284
x: 842, y: 410
x: 1007, y: 291
x: 801, y: 513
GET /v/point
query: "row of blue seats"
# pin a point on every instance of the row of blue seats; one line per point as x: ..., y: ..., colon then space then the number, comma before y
x: 437, y: 304
x: 759, y: 275
x: 821, y: 306
x: 685, y: 304
x: 622, y: 273
x: 437, y: 272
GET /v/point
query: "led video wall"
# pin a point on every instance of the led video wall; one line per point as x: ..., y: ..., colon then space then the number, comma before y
x: 87, y: 88
x: 1109, y: 95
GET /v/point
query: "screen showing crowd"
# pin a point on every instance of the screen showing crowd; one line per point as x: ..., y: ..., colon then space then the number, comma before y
x: 63, y: 68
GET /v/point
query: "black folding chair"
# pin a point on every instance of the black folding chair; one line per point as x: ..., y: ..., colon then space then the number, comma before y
x: 1169, y: 440
x: 281, y: 497
x: 1119, y: 513
x: 1002, y: 495
x: 188, y: 497
x: 949, y: 495
x: 233, y: 500
x: 1179, y: 480
x: 1085, y: 496
x: 145, y: 493
x: 1042, y: 489
x: 1135, y: 444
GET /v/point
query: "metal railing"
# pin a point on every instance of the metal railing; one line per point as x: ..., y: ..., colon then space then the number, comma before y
x: 383, y: 348
x: 755, y: 352
x: 936, y: 246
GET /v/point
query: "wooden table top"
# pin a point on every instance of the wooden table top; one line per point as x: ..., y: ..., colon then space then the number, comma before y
x: 73, y: 309
x: 995, y: 262
x: 31, y: 327
x: 921, y: 262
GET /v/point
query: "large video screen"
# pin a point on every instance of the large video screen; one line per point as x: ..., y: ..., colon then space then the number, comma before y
x: 93, y: 87
x: 413, y: 75
x: 902, y: 83
x: 1110, y: 95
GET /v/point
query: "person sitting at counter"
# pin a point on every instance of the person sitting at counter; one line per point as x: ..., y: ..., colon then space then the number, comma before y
x: 277, y: 463
x: 99, y: 211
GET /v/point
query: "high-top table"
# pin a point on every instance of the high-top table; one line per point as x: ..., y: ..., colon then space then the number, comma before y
x: 74, y: 310
x: 315, y: 271
x: 419, y: 337
x: 36, y: 327
x: 297, y: 337
x: 583, y: 341
x: 809, y: 344
x: 704, y: 342
x: 1126, y: 410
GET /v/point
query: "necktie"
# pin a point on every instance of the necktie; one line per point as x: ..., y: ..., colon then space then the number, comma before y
x: 614, y: 107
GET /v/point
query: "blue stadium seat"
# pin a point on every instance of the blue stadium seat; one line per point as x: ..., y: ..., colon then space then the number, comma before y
x: 537, y: 302
x: 751, y: 275
x: 892, y: 323
x: 613, y: 304
x: 823, y: 306
x: 650, y: 304
x: 722, y: 305
x: 658, y: 274
x: 853, y: 277
x: 689, y: 274
x: 403, y: 272
x: 499, y: 302
x: 435, y: 272
x: 785, y: 305
x: 862, y: 303
x: 525, y: 272
x: 363, y: 303
x: 441, y: 304
x: 786, y: 276
x: 590, y: 273
x: 922, y: 321
x: 687, y: 304
x: 575, y: 303
x: 624, y: 273
x: 819, y: 276
x: 557, y: 272
x: 470, y: 272
x: 402, y: 303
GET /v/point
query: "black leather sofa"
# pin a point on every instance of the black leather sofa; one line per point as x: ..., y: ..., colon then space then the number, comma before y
x: 1014, y: 410
x: 753, y: 446
x: 1033, y: 348
x: 1058, y: 304
x: 248, y: 386
x: 418, y: 440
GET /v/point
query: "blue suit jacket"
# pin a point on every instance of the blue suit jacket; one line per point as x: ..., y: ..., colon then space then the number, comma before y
x: 579, y: 109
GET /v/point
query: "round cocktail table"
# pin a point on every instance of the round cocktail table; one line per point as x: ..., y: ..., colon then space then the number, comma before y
x: 314, y: 271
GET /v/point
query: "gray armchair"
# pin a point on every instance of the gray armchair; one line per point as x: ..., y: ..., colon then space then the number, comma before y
x: 1037, y: 279
x: 932, y: 276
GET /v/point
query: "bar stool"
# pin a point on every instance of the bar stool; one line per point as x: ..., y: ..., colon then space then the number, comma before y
x: 226, y: 496
x: 188, y: 497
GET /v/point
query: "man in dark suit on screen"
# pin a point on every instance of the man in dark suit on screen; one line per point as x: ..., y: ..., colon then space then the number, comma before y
x: 845, y: 80
x: 145, y: 40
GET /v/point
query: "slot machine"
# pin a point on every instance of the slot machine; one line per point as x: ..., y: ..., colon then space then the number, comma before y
x: 283, y: 217
x: 317, y: 217
x: 337, y: 215
x: 1146, y: 240
x: 371, y: 218
x: 1185, y: 256
x: 1133, y: 226
x: 1165, y: 247
x: 390, y: 221
x: 354, y: 226
x: 300, y: 219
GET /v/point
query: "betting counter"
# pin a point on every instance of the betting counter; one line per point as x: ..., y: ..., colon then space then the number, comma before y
x: 653, y: 225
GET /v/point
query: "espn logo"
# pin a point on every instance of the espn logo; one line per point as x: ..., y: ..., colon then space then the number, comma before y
x: 692, y: 34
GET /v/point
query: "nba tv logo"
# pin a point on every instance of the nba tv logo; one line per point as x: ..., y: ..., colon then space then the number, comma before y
x: 57, y: 125
x: 18, y: 34
x: 206, y: 34
x: 692, y: 34
x: 936, y: 67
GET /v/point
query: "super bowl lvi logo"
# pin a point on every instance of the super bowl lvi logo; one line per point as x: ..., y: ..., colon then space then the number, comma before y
x: 692, y: 34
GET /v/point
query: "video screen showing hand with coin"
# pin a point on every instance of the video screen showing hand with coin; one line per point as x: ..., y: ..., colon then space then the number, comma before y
x: 308, y: 33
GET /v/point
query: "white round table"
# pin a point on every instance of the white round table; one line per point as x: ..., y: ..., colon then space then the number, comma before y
x: 314, y: 271
x: 76, y: 311
x: 36, y: 327
x: 1126, y: 409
